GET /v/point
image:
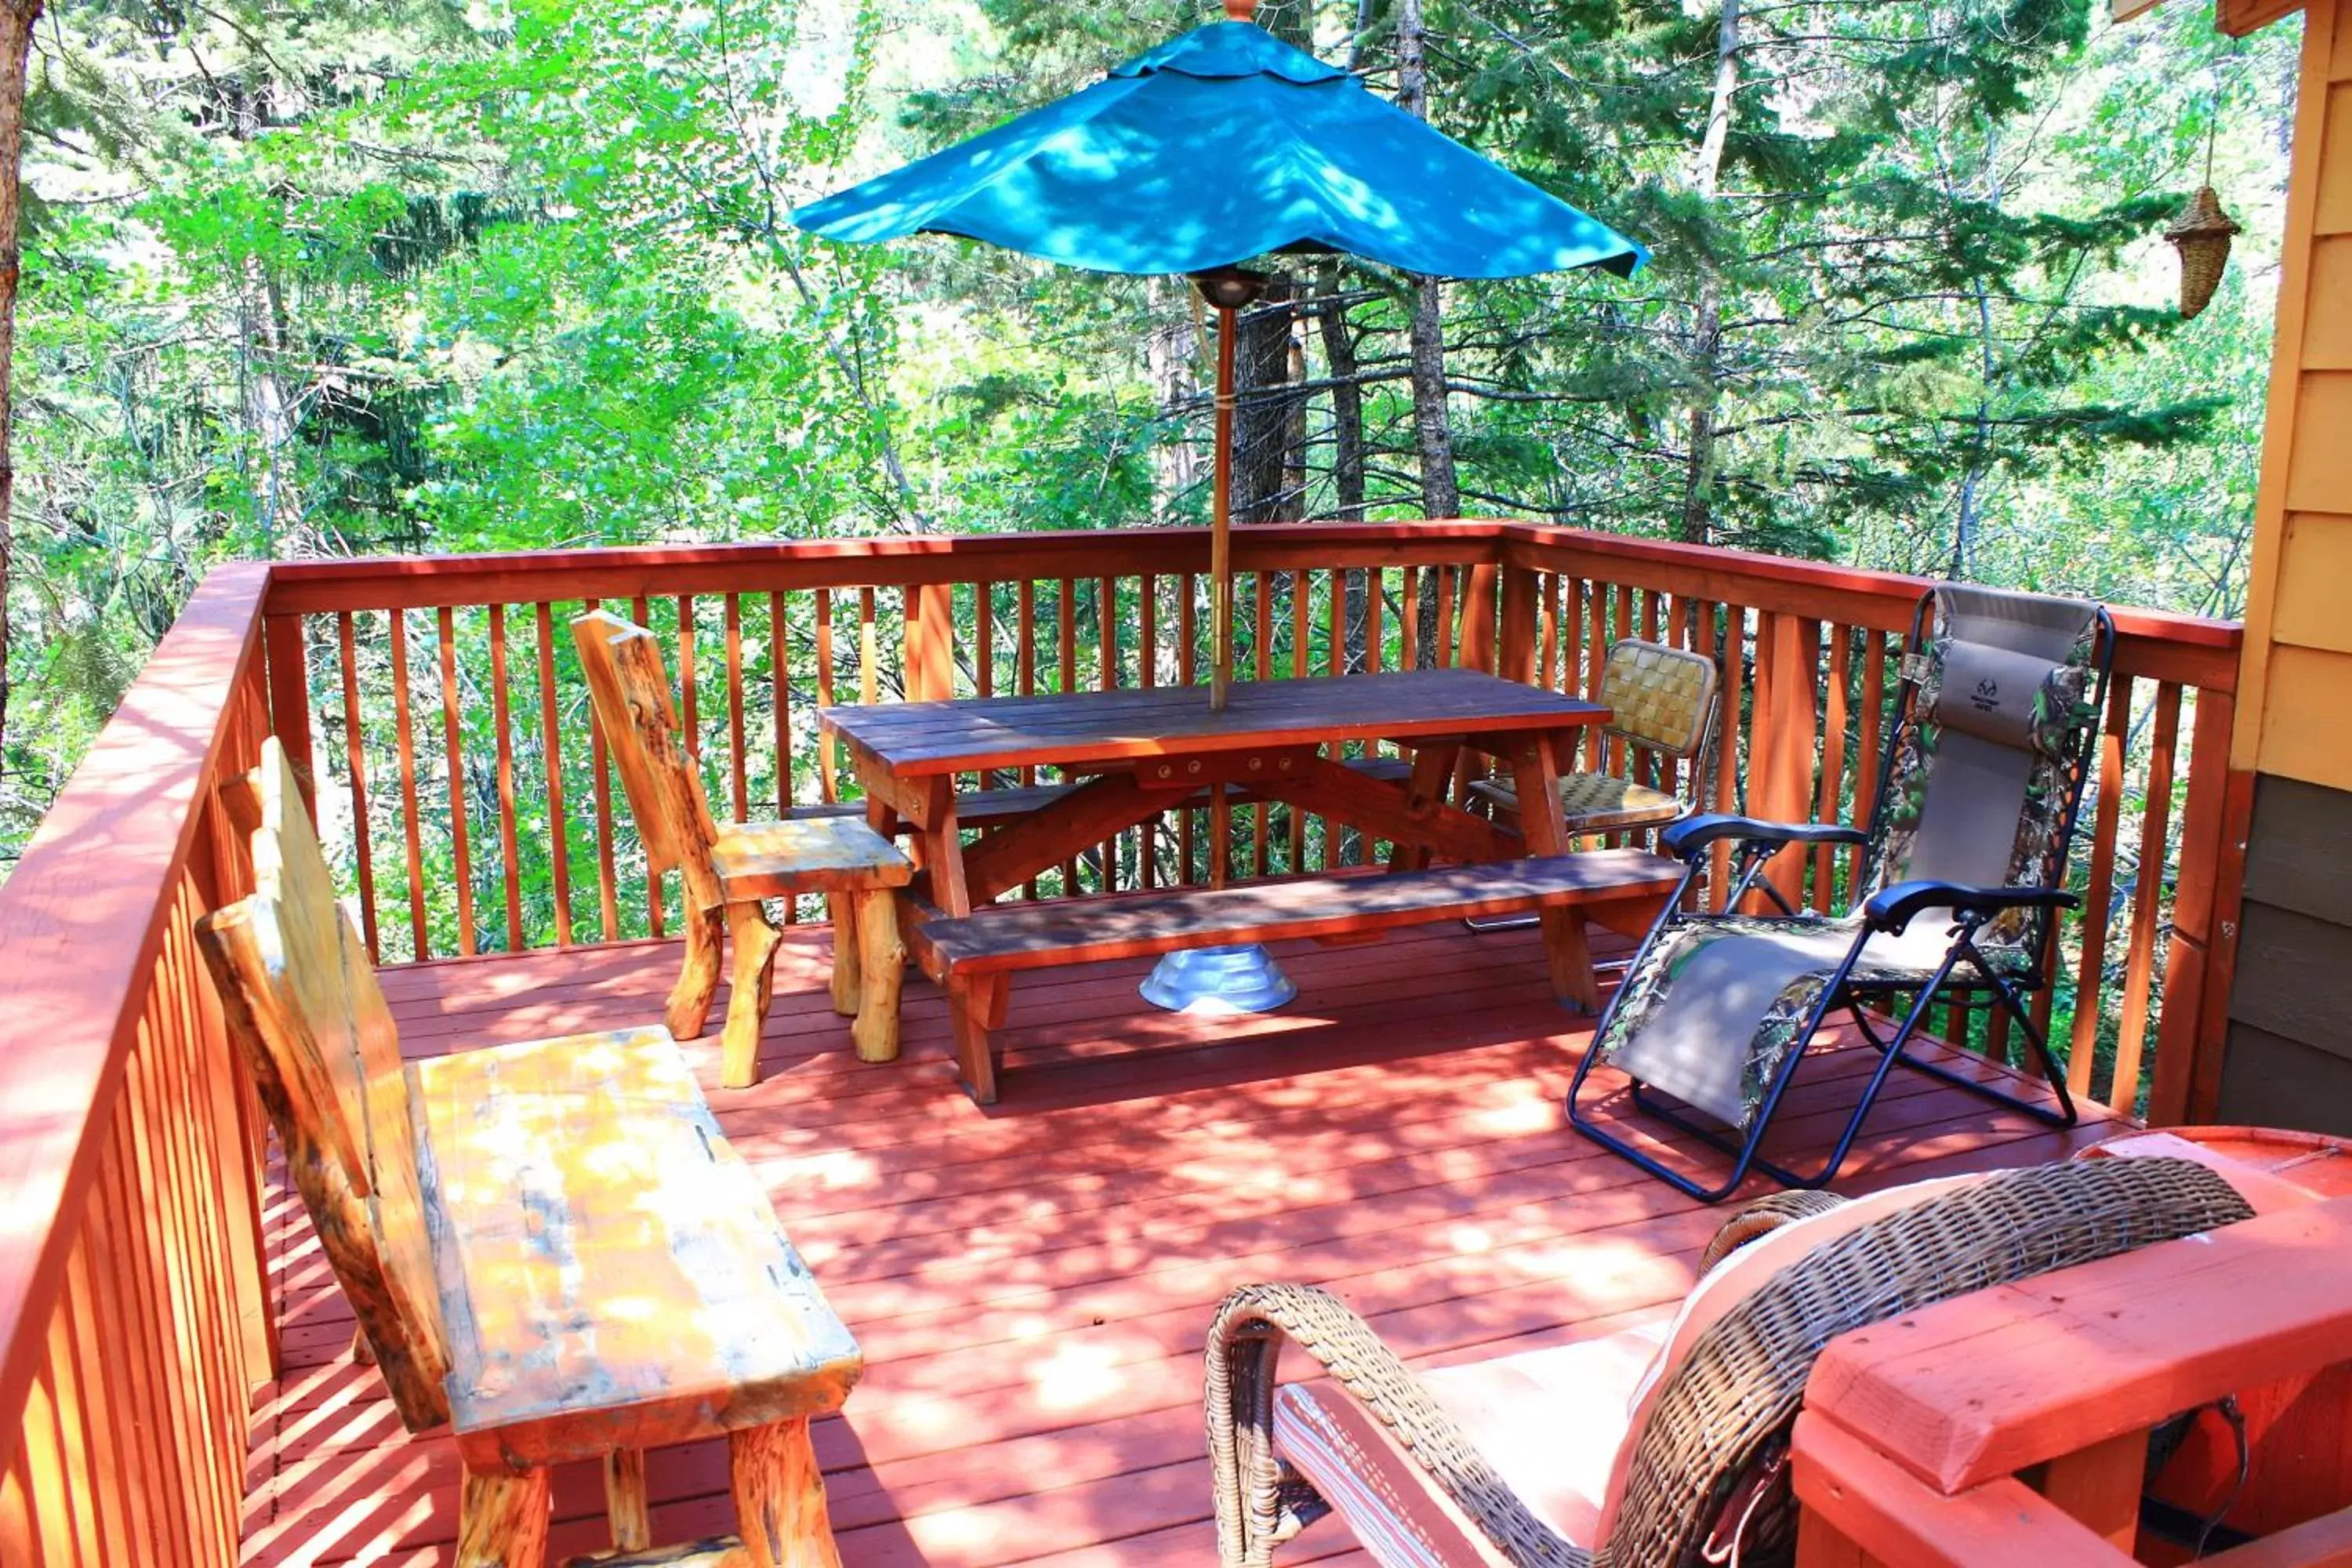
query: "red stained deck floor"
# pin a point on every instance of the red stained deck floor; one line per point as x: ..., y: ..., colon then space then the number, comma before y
x: 1030, y: 1282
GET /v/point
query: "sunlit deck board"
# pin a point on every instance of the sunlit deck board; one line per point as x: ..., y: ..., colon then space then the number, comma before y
x: 1031, y: 1283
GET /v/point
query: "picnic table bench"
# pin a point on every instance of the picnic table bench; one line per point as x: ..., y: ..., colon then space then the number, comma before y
x: 549, y: 1246
x: 1142, y: 752
x: 972, y: 958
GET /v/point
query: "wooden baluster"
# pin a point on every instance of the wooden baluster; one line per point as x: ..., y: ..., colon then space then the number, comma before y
x: 869, y: 653
x: 404, y: 737
x: 655, y: 915
x: 779, y: 706
x: 551, y: 749
x: 780, y: 679
x: 1870, y: 750
x: 355, y: 748
x: 1025, y: 675
x: 1678, y: 635
x: 454, y: 759
x: 740, y: 793
x: 1107, y: 639
x: 600, y: 774
x: 1409, y: 618
x: 1444, y: 651
x: 1376, y: 593
x: 1548, y: 598
x: 828, y: 778
x: 2147, y: 899
x: 2106, y: 818
x: 1065, y: 671
x: 1828, y: 806
x: 501, y: 722
x: 1147, y: 665
x: 1188, y: 634
x: 1302, y: 647
x: 1727, y: 760
x: 689, y: 720
x: 1262, y: 814
x: 1335, y: 662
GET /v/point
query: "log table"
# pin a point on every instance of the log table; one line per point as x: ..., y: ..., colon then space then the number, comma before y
x: 1143, y: 752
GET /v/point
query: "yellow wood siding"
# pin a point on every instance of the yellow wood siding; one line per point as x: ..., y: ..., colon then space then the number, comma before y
x: 2295, y: 716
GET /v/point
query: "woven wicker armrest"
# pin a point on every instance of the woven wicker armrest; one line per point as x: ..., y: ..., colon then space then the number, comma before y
x: 1260, y: 1503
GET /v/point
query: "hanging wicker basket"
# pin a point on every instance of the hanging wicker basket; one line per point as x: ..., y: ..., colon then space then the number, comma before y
x: 2201, y: 233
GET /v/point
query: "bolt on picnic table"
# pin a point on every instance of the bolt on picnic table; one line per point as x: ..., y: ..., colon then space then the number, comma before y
x: 1146, y: 752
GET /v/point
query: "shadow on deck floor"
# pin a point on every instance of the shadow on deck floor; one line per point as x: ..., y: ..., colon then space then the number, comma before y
x: 1031, y: 1283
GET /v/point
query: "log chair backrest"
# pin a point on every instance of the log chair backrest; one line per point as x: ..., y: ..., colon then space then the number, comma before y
x: 301, y: 997
x: 629, y: 688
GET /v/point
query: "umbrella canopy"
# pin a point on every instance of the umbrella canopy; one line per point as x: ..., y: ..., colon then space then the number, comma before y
x: 1219, y: 145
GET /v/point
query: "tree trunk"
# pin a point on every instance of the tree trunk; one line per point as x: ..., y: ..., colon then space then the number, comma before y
x: 1172, y: 354
x: 1433, y: 432
x: 1706, y: 328
x: 16, y: 19
x: 1346, y: 397
x: 1261, y: 423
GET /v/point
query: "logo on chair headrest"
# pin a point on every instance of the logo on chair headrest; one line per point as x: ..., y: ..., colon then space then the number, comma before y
x: 1986, y: 696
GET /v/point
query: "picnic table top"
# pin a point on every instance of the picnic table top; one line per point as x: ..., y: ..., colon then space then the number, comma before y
x: 1076, y: 728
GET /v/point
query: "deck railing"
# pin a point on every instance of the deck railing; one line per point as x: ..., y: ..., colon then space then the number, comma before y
x: 457, y: 770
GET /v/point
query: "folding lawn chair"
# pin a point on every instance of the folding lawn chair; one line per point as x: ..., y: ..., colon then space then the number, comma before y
x: 1965, y: 860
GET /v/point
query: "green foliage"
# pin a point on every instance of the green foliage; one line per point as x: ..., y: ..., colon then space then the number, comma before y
x: 315, y: 276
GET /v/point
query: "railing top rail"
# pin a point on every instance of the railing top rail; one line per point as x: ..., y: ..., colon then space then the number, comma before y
x: 2191, y: 649
x: 81, y: 924
x: 412, y: 582
x: 2194, y: 649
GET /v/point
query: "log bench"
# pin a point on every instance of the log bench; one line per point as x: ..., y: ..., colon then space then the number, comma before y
x: 549, y: 1246
x: 972, y: 958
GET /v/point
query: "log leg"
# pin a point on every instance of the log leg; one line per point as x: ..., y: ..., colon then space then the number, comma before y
x: 625, y: 1500
x: 502, y: 1519
x: 780, y: 1498
x: 749, y: 989
x: 363, y: 1349
x: 689, y: 999
x: 970, y: 1004
x: 882, y: 965
x: 841, y: 909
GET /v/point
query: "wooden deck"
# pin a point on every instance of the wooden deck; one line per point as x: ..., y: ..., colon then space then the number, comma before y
x: 1030, y: 1282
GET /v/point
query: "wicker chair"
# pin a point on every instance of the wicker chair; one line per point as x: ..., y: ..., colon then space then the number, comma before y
x: 1699, y: 1465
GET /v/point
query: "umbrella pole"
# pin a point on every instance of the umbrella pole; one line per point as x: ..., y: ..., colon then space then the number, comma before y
x: 1221, y: 519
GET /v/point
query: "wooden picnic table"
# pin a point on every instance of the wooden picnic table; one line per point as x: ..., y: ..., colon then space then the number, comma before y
x: 1143, y: 752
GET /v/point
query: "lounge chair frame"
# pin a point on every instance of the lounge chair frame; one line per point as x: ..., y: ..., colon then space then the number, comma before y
x: 1889, y: 911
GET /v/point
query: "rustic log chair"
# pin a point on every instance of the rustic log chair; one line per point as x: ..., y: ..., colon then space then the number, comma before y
x: 549, y: 1246
x: 729, y: 870
x: 1663, y: 704
x: 1660, y: 1447
x: 1963, y: 868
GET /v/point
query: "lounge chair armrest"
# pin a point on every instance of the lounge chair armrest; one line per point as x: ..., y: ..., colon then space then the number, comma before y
x: 1891, y: 908
x: 1251, y: 1484
x: 1695, y: 833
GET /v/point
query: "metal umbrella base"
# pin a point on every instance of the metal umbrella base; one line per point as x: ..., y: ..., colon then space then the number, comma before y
x: 1218, y: 981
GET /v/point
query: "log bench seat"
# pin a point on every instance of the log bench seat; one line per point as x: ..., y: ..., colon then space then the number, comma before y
x: 971, y: 958
x: 548, y: 1246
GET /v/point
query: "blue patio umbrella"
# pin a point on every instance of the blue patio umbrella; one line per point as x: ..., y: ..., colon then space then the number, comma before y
x: 1219, y: 145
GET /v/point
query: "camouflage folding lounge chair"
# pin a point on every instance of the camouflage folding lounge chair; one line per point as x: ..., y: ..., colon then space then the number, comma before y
x: 1660, y: 1446
x: 1964, y: 862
